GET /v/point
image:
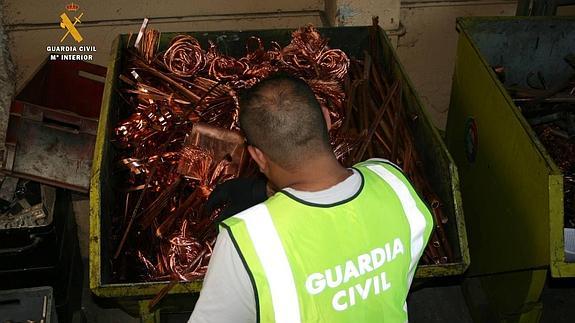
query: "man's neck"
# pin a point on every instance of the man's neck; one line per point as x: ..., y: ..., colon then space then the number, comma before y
x: 319, y: 174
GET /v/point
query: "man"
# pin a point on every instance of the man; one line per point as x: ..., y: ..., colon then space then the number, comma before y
x: 332, y: 245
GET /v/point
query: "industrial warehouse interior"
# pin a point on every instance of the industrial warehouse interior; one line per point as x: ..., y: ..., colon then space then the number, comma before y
x: 287, y: 161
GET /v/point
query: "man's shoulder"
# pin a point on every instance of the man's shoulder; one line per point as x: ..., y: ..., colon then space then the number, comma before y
x: 373, y: 164
x: 247, y: 214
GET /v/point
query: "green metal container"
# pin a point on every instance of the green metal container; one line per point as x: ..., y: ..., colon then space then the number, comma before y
x: 513, y: 191
x: 440, y: 168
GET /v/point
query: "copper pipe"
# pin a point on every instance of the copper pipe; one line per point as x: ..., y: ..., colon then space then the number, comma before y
x: 375, y: 122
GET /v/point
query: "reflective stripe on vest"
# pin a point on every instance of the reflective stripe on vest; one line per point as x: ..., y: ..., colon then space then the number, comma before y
x: 274, y: 262
x: 352, y: 261
x: 414, y: 216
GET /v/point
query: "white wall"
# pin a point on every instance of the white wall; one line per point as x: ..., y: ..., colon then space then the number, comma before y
x: 32, y: 25
x: 427, y: 49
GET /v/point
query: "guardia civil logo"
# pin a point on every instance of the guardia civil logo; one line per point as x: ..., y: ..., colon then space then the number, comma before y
x: 70, y: 26
x: 66, y: 49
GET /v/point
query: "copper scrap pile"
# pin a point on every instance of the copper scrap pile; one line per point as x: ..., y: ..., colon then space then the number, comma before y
x: 374, y: 107
x: 161, y: 231
x: 550, y: 110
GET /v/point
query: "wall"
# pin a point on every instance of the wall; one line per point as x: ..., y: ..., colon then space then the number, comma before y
x: 33, y: 25
x: 427, y: 50
x: 360, y: 12
x: 7, y: 83
x: 427, y: 47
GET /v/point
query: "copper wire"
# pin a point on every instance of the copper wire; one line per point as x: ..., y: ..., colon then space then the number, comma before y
x: 149, y: 44
x: 184, y: 56
x: 166, y: 94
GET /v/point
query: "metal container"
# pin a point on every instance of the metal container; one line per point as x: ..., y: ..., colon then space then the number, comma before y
x: 511, y: 183
x: 28, y: 305
x: 52, y: 125
x: 513, y: 190
x: 46, y: 253
x: 440, y: 168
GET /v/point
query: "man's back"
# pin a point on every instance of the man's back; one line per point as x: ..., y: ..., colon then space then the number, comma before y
x: 344, y: 254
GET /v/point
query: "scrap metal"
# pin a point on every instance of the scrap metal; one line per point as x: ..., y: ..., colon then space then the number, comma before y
x: 177, y: 101
x: 550, y: 110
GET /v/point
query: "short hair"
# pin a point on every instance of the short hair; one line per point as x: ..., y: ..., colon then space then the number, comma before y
x: 282, y: 117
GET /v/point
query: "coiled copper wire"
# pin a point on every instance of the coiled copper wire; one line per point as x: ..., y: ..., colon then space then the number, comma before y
x: 226, y: 68
x: 333, y: 63
x: 170, y: 181
x: 184, y: 57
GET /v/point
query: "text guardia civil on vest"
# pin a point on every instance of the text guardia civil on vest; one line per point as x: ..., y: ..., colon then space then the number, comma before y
x: 353, y: 269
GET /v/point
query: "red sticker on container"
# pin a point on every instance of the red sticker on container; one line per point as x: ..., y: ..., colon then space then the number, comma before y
x: 471, y: 139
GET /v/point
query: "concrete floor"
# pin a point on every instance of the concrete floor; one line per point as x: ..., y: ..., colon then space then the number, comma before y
x: 558, y: 299
x: 426, y: 305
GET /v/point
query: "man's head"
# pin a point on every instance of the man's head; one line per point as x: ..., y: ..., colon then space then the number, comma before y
x: 284, y: 124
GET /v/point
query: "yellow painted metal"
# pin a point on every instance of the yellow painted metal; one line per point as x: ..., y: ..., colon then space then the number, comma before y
x: 147, y: 316
x: 439, y: 166
x: 513, y: 190
x: 559, y: 267
x: 507, y: 297
x: 95, y: 200
x: 527, y: 285
x: 100, y: 170
x: 497, y: 218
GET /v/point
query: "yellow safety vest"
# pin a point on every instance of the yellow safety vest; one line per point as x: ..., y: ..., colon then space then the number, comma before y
x: 352, y: 261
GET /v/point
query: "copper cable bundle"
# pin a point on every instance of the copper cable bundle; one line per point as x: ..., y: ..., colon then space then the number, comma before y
x: 166, y: 172
x: 375, y: 113
x: 184, y: 56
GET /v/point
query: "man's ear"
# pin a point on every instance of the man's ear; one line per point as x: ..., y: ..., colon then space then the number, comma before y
x: 260, y: 158
x: 326, y: 117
